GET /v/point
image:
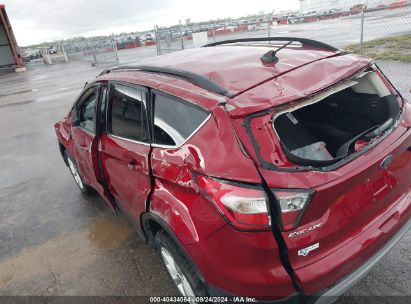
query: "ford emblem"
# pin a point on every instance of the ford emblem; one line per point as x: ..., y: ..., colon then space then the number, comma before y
x: 386, y: 161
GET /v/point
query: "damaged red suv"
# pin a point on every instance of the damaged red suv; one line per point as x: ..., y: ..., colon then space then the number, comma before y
x: 273, y: 168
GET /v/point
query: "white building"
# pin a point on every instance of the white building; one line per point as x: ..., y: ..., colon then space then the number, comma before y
x: 321, y: 6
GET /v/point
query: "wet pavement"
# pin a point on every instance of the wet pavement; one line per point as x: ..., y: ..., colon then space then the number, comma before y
x: 54, y: 240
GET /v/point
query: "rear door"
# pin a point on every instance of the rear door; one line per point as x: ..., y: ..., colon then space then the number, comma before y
x: 125, y: 147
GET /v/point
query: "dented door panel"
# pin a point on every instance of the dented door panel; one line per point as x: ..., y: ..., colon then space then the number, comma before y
x: 126, y: 169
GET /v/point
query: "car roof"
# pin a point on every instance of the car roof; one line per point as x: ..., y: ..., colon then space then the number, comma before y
x: 238, y: 68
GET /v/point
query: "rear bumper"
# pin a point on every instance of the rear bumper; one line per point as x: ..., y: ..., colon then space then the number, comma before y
x: 331, y: 294
x: 237, y: 263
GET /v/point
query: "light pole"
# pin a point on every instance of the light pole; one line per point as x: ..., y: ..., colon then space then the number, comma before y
x: 362, y: 26
x: 269, y: 23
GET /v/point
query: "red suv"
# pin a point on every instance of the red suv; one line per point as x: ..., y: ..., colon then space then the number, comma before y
x: 271, y: 168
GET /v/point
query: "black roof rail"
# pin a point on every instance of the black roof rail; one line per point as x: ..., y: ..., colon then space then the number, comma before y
x: 303, y: 41
x: 199, y: 80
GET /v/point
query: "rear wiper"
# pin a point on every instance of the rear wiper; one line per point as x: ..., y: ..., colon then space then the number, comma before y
x: 366, y: 135
x: 386, y: 125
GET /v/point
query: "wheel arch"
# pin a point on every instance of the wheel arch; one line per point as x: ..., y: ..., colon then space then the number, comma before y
x: 153, y: 223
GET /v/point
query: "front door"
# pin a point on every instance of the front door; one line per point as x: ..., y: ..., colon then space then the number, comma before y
x: 125, y: 148
x: 84, y: 134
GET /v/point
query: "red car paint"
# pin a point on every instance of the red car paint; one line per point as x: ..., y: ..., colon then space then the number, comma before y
x: 353, y: 212
x: 126, y: 164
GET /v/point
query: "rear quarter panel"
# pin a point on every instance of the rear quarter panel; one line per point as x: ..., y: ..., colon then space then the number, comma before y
x: 212, y: 151
x: 240, y: 263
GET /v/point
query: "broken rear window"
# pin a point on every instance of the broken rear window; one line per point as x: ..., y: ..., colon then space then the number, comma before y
x: 337, y: 122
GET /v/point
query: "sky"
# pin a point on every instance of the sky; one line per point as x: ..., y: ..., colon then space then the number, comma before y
x: 47, y: 20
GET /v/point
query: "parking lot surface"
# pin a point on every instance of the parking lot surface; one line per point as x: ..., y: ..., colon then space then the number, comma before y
x: 55, y: 241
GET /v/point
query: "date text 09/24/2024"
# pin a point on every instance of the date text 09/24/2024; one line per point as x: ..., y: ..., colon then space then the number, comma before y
x: 202, y: 300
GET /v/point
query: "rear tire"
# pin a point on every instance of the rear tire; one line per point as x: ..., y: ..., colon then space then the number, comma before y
x: 180, y: 269
x: 72, y: 165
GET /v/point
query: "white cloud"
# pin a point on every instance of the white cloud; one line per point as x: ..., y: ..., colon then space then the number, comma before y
x: 42, y: 20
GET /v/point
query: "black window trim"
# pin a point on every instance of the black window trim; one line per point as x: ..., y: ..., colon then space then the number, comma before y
x: 147, y: 101
x: 149, y: 108
x: 102, y: 102
x: 154, y: 92
x: 80, y: 101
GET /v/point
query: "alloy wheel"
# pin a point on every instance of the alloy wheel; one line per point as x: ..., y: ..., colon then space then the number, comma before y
x: 176, y: 274
x: 75, y: 173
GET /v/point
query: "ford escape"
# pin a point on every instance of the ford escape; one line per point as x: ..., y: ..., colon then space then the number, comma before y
x: 274, y: 168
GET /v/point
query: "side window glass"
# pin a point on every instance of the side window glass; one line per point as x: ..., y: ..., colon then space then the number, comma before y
x: 87, y: 110
x: 127, y: 113
x: 175, y: 120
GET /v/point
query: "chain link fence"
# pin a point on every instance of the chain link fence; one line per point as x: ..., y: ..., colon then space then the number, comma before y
x: 379, y: 29
x: 102, y: 51
x: 170, y: 39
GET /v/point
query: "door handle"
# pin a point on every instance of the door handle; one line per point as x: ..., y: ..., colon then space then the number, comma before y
x: 134, y: 165
x: 85, y: 147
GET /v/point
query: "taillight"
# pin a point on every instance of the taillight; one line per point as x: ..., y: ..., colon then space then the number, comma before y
x: 244, y: 206
x: 292, y: 204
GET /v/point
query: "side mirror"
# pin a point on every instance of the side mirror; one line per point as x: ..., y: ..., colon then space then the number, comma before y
x: 75, y: 121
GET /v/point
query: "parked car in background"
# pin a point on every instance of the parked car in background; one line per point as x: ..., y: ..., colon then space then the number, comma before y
x: 25, y: 56
x: 52, y: 50
x: 293, y: 19
x: 176, y: 34
x: 35, y: 54
x: 358, y: 7
x: 148, y: 37
x: 127, y: 42
x: 250, y: 174
x: 311, y: 14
